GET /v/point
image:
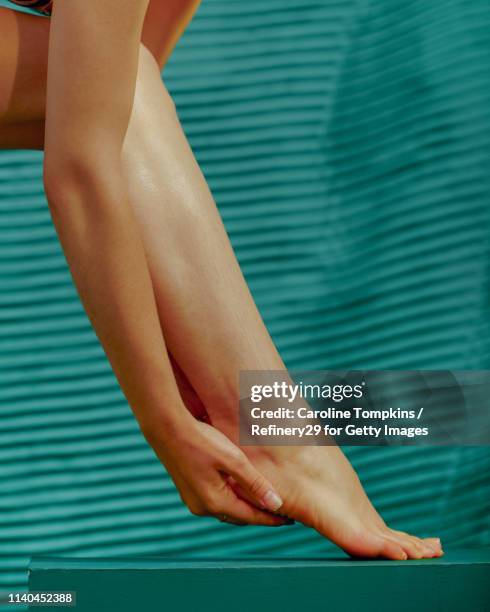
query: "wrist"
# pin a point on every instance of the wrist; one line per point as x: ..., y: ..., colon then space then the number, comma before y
x: 167, y: 424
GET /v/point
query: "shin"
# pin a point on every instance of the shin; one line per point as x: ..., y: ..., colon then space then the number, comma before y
x: 212, y: 326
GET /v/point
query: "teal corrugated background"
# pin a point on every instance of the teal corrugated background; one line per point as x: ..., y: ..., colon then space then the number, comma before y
x: 347, y: 145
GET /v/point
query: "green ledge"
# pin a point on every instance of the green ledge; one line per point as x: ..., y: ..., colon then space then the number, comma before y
x: 459, y: 581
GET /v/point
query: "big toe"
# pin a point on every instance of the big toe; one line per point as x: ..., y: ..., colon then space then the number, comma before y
x: 435, y: 543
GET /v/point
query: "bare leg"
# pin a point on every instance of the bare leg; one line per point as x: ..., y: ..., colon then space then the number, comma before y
x: 90, y: 208
x: 213, y: 328
x: 211, y: 323
x: 23, y: 70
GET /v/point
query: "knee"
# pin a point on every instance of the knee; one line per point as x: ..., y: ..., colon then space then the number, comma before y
x: 150, y: 88
x: 148, y: 68
x: 147, y: 60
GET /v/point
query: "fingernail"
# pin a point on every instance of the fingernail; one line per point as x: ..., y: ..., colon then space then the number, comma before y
x: 404, y: 556
x: 272, y: 501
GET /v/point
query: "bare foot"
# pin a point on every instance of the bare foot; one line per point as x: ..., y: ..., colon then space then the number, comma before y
x: 320, y: 489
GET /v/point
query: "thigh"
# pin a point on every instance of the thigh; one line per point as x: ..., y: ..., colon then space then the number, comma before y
x: 164, y: 24
x: 23, y: 66
x: 24, y: 61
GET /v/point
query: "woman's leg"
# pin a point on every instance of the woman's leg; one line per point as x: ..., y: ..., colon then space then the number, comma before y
x: 23, y: 70
x: 214, y: 330
x: 203, y: 300
x: 164, y: 24
x: 24, y: 61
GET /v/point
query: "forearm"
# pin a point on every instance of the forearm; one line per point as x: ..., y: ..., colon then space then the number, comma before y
x: 103, y: 248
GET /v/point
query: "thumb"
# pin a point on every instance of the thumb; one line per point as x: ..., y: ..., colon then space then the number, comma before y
x: 257, y: 488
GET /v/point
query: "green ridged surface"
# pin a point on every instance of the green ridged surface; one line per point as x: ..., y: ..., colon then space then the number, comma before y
x: 347, y: 145
x: 459, y: 581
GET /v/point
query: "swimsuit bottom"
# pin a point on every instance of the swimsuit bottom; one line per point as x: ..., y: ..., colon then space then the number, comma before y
x: 41, y: 6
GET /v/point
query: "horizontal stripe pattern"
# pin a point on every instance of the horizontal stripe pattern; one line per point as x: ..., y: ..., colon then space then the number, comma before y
x: 347, y: 145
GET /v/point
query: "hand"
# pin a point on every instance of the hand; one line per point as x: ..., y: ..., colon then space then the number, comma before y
x: 206, y: 467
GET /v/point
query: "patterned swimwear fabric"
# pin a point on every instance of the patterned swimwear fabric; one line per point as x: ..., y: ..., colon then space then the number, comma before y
x: 41, y: 6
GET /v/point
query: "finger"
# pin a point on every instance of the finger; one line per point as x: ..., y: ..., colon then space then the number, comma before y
x: 238, y: 510
x: 257, y: 487
x: 223, y: 518
x: 244, y: 495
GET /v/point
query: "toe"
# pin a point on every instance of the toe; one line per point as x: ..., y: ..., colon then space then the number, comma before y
x: 435, y: 543
x: 368, y: 543
x: 392, y: 550
x: 428, y: 550
x: 411, y: 545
